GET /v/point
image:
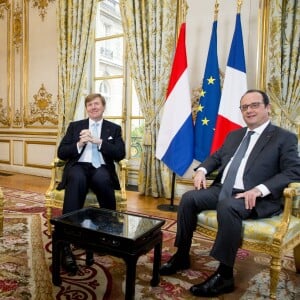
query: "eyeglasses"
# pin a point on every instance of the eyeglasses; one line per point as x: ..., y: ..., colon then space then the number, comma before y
x: 253, y: 105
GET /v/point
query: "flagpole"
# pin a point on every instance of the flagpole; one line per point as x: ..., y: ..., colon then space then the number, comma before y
x: 239, y: 6
x: 171, y: 206
x: 216, y: 12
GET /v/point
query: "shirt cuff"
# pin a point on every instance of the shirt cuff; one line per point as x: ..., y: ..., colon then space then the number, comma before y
x: 263, y: 189
x: 79, y: 149
x: 202, y: 169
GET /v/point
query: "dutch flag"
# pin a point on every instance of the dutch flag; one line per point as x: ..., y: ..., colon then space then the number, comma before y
x: 175, y: 142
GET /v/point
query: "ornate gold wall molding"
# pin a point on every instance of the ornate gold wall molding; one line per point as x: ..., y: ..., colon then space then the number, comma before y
x: 4, y: 5
x: 17, y: 27
x: 5, y: 114
x: 42, y: 6
x: 17, y: 120
x: 263, y: 29
x: 43, y: 109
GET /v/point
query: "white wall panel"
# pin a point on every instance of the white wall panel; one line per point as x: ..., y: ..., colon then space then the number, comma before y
x: 39, y: 154
x: 18, y: 156
x: 5, y: 151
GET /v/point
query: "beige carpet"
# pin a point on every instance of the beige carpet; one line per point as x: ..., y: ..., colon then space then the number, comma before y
x: 27, y: 272
x: 23, y: 268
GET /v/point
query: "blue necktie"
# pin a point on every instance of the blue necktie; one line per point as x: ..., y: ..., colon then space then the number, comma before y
x: 95, y: 153
x: 229, y: 181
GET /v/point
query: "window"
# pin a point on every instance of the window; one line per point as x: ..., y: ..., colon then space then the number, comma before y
x: 111, y: 78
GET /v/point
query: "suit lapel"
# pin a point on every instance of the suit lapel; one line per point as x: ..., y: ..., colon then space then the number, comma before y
x: 105, y: 130
x: 260, y: 144
x: 84, y: 124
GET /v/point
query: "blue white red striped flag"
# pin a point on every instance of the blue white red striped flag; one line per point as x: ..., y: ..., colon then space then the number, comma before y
x: 235, y: 85
x: 209, y: 101
x: 175, y: 141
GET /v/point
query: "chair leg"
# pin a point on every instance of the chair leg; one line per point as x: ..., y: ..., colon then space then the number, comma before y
x: 297, y: 258
x: 274, y: 276
x: 49, y: 215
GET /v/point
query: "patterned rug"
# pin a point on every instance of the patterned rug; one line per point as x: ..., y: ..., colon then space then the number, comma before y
x: 27, y: 274
x: 23, y: 268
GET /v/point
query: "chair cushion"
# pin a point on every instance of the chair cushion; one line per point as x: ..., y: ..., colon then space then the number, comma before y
x: 91, y: 199
x: 257, y: 230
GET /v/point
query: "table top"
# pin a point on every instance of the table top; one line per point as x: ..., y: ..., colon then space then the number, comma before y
x: 125, y: 225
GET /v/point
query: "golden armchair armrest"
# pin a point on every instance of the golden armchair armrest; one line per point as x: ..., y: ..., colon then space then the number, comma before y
x: 289, y: 194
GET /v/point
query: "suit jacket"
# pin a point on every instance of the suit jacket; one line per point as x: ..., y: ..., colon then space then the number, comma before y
x: 112, y: 148
x: 274, y: 161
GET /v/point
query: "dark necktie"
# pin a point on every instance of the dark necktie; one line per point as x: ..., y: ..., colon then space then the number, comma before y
x: 228, y: 184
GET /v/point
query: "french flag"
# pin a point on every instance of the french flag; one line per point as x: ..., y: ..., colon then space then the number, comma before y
x: 175, y: 141
x: 234, y: 86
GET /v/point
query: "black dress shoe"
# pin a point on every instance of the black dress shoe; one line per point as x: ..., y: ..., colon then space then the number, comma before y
x: 213, y: 286
x: 175, y: 264
x: 68, y: 261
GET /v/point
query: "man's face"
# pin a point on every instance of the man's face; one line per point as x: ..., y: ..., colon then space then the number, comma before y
x: 95, y: 109
x: 254, y: 111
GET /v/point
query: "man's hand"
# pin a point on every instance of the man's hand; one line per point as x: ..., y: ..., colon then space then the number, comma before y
x: 199, y: 180
x: 250, y: 197
x: 86, y: 136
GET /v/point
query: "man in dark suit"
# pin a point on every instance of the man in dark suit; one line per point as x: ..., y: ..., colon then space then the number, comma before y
x: 269, y: 164
x: 90, y: 147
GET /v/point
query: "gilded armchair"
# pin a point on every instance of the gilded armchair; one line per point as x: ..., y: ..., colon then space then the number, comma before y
x: 54, y: 198
x: 272, y: 236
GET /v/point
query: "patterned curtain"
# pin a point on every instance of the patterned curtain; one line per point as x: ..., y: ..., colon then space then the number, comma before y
x: 150, y: 34
x: 75, y: 26
x: 283, y: 73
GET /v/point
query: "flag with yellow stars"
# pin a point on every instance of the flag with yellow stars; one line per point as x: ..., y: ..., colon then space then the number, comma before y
x: 208, y: 102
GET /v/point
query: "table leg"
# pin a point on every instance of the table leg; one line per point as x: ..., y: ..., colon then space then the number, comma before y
x: 130, y: 277
x: 156, y: 262
x: 89, y: 259
x: 56, y: 253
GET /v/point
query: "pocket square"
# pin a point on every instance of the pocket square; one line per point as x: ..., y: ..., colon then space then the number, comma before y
x: 110, y: 138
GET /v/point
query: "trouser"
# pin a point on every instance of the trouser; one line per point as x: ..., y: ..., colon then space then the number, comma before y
x: 230, y: 214
x: 83, y: 176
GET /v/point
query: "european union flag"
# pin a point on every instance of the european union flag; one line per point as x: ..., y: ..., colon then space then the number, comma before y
x: 208, y: 102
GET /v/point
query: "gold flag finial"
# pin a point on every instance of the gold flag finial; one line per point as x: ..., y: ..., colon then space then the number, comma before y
x: 239, y: 5
x: 216, y: 10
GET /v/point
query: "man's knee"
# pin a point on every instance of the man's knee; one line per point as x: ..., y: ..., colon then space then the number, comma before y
x: 186, y: 199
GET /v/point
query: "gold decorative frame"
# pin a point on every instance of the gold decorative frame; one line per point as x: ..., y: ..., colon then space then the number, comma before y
x: 42, y: 6
x: 4, y: 4
x: 17, y: 27
x: 43, y: 109
x: 263, y: 29
x: 5, y: 114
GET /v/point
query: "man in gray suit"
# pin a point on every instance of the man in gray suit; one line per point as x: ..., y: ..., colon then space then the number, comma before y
x: 269, y: 164
x: 90, y: 147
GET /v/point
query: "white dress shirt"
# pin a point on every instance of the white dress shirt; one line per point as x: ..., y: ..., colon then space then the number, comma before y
x: 239, y: 184
x: 87, y: 153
